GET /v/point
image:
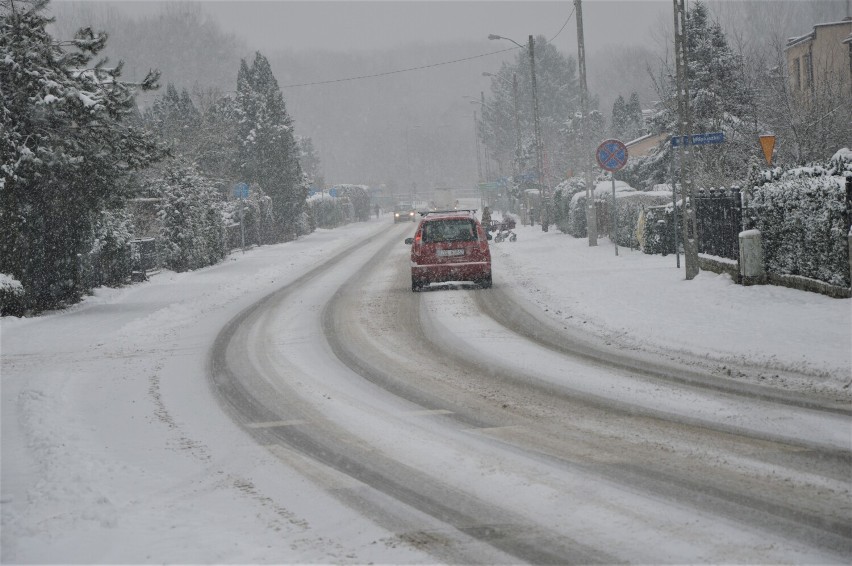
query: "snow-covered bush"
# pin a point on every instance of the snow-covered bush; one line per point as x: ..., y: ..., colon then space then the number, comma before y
x: 360, y: 199
x: 804, y: 222
x: 577, y: 216
x: 325, y: 212
x: 658, y: 232
x: 628, y: 209
x: 109, y: 261
x: 562, y: 196
x: 192, y: 226
x: 11, y: 296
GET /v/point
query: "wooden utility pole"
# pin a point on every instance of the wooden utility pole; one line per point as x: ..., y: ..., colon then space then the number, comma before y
x: 518, y: 168
x: 476, y: 139
x: 690, y: 243
x: 591, y: 212
x: 539, y: 147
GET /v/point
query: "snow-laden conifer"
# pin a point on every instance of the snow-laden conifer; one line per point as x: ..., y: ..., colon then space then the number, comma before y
x: 66, y: 148
x: 267, y: 148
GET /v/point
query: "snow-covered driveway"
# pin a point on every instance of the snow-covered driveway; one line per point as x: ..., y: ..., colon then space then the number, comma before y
x: 378, y: 425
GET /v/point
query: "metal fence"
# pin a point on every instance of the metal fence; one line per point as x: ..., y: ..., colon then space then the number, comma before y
x: 719, y: 220
x: 144, y: 258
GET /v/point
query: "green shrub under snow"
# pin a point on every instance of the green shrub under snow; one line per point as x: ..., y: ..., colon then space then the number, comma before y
x: 192, y: 225
x: 12, y: 300
x: 804, y: 222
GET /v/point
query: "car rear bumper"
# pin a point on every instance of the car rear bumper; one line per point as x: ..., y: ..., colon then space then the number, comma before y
x: 440, y: 272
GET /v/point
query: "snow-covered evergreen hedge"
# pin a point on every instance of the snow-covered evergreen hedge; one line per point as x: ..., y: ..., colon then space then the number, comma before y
x: 325, y: 212
x: 192, y: 223
x: 360, y: 199
x: 628, y: 209
x: 12, y: 300
x: 109, y: 262
x: 804, y: 221
x: 563, y: 194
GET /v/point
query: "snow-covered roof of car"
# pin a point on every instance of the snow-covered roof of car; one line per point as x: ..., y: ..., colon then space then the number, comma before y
x: 449, y: 213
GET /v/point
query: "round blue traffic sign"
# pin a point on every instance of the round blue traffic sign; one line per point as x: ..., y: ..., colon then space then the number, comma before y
x: 611, y: 155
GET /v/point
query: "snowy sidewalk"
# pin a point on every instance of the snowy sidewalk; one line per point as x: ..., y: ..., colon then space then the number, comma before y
x: 640, y: 300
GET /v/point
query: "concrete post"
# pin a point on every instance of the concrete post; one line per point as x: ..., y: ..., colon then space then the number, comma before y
x: 752, y: 269
x: 849, y: 239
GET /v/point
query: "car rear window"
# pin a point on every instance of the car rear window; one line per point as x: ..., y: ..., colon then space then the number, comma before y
x: 450, y: 230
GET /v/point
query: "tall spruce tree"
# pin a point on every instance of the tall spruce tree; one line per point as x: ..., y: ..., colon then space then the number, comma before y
x: 634, y: 123
x: 175, y: 118
x: 719, y: 101
x: 67, y: 146
x: 619, y: 118
x: 268, y: 152
x: 558, y: 100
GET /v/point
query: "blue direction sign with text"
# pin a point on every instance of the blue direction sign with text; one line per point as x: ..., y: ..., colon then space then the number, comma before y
x: 611, y: 155
x: 699, y: 139
x: 241, y: 190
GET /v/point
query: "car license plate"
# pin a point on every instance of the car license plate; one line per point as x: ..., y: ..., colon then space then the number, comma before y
x: 448, y: 253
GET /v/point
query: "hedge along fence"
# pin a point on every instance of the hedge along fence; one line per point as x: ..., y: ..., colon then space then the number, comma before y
x: 629, y: 207
x: 804, y: 224
x: 804, y: 216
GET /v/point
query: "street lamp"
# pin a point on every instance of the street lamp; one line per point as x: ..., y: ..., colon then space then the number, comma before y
x: 536, y: 127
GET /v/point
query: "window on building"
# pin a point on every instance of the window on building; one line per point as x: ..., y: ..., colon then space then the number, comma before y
x: 797, y: 74
x: 809, y: 70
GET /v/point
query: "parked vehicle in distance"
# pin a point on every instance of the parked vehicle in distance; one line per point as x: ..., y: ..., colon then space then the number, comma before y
x: 404, y: 213
x: 450, y: 245
x: 444, y: 199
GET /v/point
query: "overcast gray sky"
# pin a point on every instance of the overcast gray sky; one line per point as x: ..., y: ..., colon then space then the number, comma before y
x: 344, y: 25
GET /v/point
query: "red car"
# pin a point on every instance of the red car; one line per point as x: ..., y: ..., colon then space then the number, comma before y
x: 450, y: 246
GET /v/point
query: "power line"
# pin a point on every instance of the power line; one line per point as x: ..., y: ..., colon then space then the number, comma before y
x: 421, y: 67
x: 563, y: 25
x: 399, y: 70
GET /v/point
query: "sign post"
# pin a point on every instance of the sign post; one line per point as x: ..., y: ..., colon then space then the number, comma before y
x: 688, y: 218
x: 612, y: 156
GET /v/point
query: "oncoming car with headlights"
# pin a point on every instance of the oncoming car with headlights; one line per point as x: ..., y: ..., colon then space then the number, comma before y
x: 403, y: 213
x: 450, y: 246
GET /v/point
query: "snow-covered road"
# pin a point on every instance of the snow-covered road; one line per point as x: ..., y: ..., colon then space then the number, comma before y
x: 350, y: 420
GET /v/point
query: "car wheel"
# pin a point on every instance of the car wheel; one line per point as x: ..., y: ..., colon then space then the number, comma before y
x: 485, y: 282
x: 416, y: 286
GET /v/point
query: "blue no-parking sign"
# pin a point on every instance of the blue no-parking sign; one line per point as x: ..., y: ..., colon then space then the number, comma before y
x: 611, y: 155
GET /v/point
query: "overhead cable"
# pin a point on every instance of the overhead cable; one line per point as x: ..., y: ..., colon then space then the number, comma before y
x: 421, y: 67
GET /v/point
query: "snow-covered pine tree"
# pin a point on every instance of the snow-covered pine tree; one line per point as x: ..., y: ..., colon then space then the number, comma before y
x: 310, y: 162
x: 558, y: 95
x: 634, y: 122
x: 67, y: 147
x: 174, y: 117
x: 268, y: 151
x: 719, y: 101
x: 618, y: 124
